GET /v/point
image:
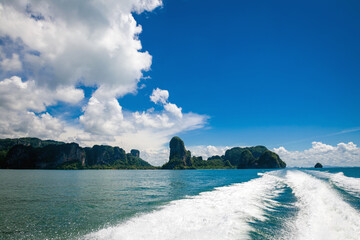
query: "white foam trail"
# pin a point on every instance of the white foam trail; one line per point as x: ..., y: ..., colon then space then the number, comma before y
x: 322, y: 212
x: 348, y: 184
x: 224, y: 213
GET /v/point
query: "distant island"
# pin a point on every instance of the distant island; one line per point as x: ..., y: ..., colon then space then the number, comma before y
x: 34, y: 153
x: 318, y: 165
x: 237, y: 157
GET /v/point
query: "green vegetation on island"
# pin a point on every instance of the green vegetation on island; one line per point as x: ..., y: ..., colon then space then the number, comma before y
x: 237, y: 157
x: 33, y: 153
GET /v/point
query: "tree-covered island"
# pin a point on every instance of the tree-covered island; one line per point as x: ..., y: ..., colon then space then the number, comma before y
x: 237, y: 157
x: 34, y: 153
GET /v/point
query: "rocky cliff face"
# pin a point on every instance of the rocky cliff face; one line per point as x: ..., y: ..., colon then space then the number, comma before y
x: 102, y: 154
x: 53, y: 156
x: 135, y: 153
x: 20, y: 156
x: 48, y: 157
x: 8, y: 143
x: 179, y: 157
x: 177, y: 149
x: 39, y: 155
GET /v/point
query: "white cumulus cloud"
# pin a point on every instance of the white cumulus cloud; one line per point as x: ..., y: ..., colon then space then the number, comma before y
x: 22, y: 105
x: 57, y: 46
x: 208, y: 151
x: 159, y: 96
x: 95, y: 42
x: 18, y: 95
x: 343, y: 154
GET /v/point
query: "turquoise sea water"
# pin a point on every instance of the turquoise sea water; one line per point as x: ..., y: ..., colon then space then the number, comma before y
x: 190, y: 204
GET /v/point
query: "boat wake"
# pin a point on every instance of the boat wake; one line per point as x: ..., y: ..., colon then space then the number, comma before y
x: 348, y: 184
x: 323, y: 214
x: 225, y: 213
x: 240, y: 210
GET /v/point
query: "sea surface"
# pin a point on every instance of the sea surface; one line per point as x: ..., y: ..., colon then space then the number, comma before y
x: 180, y: 204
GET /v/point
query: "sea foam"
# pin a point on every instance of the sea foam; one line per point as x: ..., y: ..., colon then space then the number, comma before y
x: 224, y: 213
x: 348, y: 184
x: 322, y: 212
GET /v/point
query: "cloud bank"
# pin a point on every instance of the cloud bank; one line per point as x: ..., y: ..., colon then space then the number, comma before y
x: 49, y: 50
x: 344, y: 154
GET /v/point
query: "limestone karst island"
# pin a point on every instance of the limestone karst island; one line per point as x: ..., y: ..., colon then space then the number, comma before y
x: 33, y: 153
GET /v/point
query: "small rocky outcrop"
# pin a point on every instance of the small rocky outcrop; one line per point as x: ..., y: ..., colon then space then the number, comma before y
x: 318, y: 165
x: 135, y: 153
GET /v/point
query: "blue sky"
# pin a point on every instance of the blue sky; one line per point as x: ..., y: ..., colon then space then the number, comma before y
x: 134, y: 73
x: 266, y: 72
